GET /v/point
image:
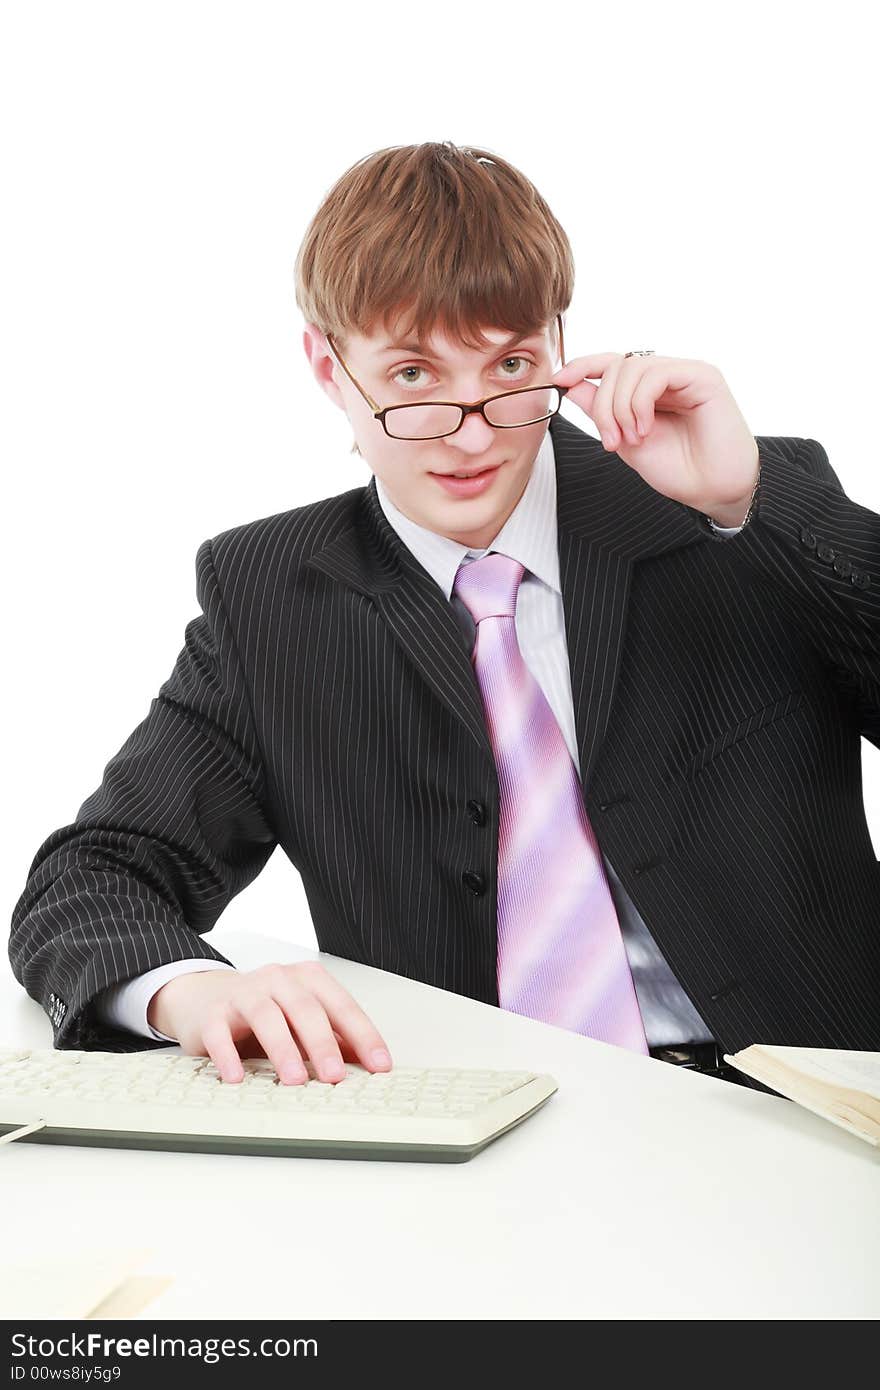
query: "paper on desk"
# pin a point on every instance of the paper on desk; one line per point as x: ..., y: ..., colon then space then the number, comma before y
x: 860, y: 1070
x: 131, y: 1296
x: 88, y: 1283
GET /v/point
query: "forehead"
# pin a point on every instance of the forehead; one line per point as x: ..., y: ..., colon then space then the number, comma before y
x: 384, y: 342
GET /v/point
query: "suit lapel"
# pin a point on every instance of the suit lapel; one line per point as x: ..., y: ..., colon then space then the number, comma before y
x: 371, y: 558
x: 608, y: 518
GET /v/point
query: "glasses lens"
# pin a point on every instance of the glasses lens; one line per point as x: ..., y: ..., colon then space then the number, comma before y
x: 422, y: 421
x: 514, y: 408
x: 524, y: 407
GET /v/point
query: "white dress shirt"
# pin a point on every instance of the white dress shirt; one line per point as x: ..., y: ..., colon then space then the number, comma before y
x: 530, y: 536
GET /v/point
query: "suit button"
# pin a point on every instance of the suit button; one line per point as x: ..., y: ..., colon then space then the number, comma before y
x: 477, y: 812
x: 860, y: 579
x: 808, y: 538
x: 842, y: 566
x: 474, y: 881
x: 825, y: 551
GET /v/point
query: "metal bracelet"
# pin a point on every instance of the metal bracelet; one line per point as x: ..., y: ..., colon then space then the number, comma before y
x: 752, y: 500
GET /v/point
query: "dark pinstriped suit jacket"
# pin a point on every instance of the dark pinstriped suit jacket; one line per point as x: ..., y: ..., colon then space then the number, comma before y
x: 325, y: 701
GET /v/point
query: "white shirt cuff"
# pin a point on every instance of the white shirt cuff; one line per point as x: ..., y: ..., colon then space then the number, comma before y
x: 125, y: 1005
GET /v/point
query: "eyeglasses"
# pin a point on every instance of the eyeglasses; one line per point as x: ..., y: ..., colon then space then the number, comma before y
x: 508, y: 410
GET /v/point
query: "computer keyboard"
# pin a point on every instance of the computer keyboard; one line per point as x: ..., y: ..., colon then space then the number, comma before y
x: 160, y: 1100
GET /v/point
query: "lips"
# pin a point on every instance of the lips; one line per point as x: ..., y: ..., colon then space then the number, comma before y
x: 472, y: 473
x: 474, y: 485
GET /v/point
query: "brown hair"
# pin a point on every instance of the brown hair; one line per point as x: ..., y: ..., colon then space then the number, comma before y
x: 452, y: 236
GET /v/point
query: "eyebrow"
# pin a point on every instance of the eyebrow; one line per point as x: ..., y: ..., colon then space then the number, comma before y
x: 420, y: 348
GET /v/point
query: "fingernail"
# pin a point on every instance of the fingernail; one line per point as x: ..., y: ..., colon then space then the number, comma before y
x: 381, y: 1058
x: 334, y: 1068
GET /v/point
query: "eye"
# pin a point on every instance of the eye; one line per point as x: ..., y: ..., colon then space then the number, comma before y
x: 403, y: 375
x: 527, y: 361
x: 408, y: 380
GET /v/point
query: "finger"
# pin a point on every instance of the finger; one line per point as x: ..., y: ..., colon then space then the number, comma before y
x: 681, y: 384
x: 580, y: 367
x: 217, y: 1040
x: 573, y: 376
x: 347, y: 1048
x: 348, y: 1018
x: 648, y: 390
x: 270, y: 1026
x: 289, y: 989
x: 603, y: 405
x: 250, y: 1047
x: 583, y: 394
x: 632, y: 372
x: 317, y: 1039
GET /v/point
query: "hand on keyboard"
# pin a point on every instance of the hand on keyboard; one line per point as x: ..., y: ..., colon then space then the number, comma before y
x: 209, y: 1012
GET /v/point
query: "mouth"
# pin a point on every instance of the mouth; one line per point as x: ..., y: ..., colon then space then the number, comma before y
x: 467, y: 472
x: 475, y: 481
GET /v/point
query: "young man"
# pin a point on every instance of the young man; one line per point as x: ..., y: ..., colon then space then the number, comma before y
x: 579, y: 736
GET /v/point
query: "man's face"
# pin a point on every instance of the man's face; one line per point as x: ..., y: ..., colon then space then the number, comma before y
x: 442, y: 370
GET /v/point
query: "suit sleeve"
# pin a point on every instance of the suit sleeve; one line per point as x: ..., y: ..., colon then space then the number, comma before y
x: 177, y: 827
x: 820, y: 552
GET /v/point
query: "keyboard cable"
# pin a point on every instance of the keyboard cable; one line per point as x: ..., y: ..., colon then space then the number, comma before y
x: 19, y: 1133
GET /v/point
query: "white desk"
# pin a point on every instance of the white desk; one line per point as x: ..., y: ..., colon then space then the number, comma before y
x: 638, y: 1191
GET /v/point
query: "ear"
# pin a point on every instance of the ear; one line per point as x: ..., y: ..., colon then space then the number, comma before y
x: 322, y: 362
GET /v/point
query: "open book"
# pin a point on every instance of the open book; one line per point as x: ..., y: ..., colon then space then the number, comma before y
x: 843, y: 1087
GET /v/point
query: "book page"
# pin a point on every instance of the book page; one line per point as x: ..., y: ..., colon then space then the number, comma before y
x: 68, y: 1286
x: 859, y: 1071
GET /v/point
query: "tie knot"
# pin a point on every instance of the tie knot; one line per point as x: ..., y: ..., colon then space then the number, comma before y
x: 488, y: 586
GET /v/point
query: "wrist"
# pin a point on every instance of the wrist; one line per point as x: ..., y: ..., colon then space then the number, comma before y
x: 731, y: 514
x: 161, y: 1007
x: 736, y: 513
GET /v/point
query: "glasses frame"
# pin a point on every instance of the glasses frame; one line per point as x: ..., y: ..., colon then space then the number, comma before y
x: 478, y: 407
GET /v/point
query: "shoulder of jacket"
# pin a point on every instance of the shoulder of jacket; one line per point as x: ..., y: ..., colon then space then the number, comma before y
x: 284, y: 539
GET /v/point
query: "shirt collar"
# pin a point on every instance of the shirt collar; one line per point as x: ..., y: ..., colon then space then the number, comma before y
x: 529, y: 534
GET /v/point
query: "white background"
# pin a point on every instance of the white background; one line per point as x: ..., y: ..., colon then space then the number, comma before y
x: 713, y: 165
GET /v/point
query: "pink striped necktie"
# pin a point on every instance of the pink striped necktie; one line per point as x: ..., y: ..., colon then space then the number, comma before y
x: 561, y: 957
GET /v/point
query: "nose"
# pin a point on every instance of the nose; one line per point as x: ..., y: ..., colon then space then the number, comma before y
x: 474, y: 437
